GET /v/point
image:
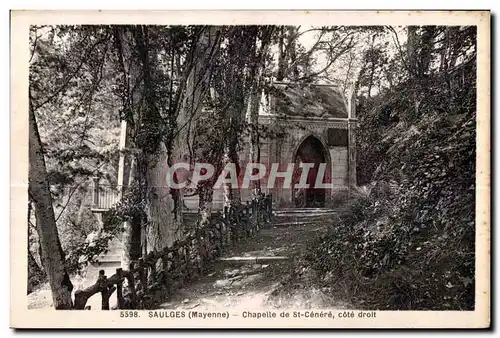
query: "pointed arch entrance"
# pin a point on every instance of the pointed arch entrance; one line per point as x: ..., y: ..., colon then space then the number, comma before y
x: 311, y: 150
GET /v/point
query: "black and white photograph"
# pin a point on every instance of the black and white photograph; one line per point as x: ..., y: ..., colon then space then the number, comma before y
x: 208, y: 173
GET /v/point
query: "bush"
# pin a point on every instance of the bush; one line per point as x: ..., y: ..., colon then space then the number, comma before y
x: 373, y: 254
x: 407, y: 240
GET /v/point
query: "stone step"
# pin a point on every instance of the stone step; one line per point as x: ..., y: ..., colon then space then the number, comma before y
x: 304, y: 210
x: 110, y: 258
x: 302, y: 219
x: 305, y: 216
x: 290, y: 224
x: 306, y: 213
x: 253, y: 259
x: 115, y: 243
x: 114, y: 250
x: 109, y: 270
x: 107, y: 264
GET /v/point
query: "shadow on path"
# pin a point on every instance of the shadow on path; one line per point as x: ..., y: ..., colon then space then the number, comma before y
x: 248, y: 284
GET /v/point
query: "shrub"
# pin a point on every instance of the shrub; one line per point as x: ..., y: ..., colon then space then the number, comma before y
x: 373, y: 253
x: 407, y: 240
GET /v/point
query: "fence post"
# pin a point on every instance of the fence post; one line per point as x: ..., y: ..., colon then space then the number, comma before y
x: 255, y: 213
x: 119, y: 288
x: 104, y: 291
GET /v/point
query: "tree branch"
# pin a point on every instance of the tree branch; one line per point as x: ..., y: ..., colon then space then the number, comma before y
x: 395, y: 38
x: 332, y: 59
x: 71, y: 76
x: 305, y: 55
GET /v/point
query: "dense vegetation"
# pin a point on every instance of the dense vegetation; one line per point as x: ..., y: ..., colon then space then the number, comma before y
x: 406, y: 239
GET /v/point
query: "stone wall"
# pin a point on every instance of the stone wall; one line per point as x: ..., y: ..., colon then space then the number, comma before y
x: 336, y: 134
x: 283, y: 150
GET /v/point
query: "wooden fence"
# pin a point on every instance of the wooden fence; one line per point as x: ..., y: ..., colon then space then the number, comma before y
x: 158, y: 274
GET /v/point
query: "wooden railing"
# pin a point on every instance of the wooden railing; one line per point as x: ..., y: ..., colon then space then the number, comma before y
x: 157, y: 275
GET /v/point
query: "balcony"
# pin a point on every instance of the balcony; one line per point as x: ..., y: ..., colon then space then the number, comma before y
x: 104, y: 197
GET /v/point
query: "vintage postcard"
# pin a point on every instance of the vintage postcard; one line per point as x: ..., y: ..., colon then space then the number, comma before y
x: 250, y: 169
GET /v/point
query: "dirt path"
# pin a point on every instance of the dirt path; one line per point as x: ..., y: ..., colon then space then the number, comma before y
x: 250, y: 285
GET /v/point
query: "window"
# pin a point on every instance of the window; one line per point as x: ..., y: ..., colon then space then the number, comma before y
x: 337, y: 137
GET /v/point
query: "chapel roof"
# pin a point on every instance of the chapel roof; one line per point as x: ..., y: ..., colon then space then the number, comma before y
x: 309, y: 100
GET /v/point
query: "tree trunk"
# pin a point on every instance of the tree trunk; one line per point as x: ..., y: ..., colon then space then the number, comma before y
x: 411, y: 46
x: 348, y: 73
x: 291, y: 47
x: 372, y: 68
x: 35, y: 272
x: 229, y: 195
x: 53, y: 259
x: 232, y: 149
x: 164, y: 214
x: 253, y: 123
x: 197, y: 86
x: 281, y: 55
x: 132, y: 233
x: 426, y: 50
x: 131, y: 242
x: 253, y: 106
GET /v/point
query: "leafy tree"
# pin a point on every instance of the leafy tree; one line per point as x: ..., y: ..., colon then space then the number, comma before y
x: 62, y: 58
x: 411, y: 230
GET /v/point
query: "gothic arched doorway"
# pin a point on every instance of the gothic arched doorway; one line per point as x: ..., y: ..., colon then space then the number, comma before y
x: 312, y: 151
